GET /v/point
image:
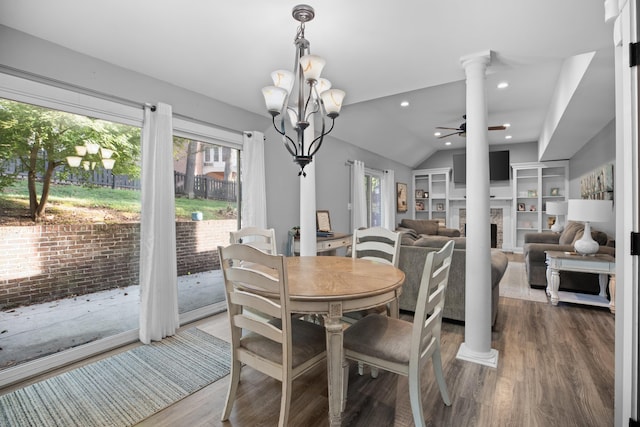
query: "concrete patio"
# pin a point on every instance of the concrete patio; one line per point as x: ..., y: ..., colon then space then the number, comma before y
x: 34, y: 331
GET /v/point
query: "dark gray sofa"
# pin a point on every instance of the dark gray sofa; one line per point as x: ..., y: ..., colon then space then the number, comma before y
x: 535, y: 245
x: 413, y: 253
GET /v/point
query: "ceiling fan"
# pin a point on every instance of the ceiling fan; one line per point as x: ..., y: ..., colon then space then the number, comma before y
x: 462, y: 129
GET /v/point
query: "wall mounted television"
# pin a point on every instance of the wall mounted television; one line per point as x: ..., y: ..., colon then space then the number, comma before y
x: 499, y: 167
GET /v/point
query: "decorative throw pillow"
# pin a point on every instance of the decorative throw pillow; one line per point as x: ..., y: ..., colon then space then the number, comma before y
x: 569, y: 234
x: 421, y: 226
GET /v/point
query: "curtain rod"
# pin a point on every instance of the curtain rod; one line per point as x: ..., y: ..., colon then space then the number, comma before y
x: 350, y: 163
x: 95, y: 93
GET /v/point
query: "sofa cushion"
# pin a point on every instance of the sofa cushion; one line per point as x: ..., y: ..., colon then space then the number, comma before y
x: 569, y: 233
x: 439, y: 241
x: 421, y: 226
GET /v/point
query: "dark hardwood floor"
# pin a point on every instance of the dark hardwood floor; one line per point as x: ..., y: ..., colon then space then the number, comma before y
x: 556, y: 368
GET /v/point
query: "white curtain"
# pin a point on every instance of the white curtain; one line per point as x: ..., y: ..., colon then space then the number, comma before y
x: 254, y: 191
x: 359, y: 202
x: 388, y: 196
x: 158, y: 269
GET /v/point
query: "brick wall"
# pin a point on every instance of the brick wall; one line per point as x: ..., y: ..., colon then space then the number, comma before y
x: 48, y: 262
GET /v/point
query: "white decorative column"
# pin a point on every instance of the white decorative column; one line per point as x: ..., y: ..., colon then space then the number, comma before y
x: 477, y: 333
x: 308, y: 203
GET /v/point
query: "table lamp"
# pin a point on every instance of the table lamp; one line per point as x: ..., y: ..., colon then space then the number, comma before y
x: 557, y: 209
x: 589, y: 211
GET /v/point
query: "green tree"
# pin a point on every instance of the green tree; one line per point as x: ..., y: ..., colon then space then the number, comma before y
x: 41, y: 139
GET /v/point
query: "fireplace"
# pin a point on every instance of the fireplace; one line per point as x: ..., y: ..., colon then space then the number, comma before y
x: 497, y: 228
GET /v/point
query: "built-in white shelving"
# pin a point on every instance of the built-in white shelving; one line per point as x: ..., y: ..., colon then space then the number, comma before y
x: 431, y: 194
x: 535, y: 184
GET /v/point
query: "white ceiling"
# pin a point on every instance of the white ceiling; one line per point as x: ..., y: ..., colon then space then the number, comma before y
x: 379, y: 52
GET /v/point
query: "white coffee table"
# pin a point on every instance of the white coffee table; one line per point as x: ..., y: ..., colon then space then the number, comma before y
x: 602, y: 264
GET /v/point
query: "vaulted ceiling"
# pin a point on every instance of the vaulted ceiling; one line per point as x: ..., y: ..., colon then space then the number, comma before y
x: 557, y: 57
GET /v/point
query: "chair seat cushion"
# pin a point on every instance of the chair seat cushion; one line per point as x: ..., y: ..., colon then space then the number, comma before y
x: 308, y: 340
x: 380, y: 336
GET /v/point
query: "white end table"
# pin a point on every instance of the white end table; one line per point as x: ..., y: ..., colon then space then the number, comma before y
x: 602, y: 264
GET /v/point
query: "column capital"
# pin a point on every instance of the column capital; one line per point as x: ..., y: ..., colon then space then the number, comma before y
x: 483, y: 57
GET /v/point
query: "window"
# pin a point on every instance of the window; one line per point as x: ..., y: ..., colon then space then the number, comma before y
x: 374, y: 198
x: 212, y: 155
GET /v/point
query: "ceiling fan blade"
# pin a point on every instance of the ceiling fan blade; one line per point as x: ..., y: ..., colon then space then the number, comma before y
x: 454, y: 133
x: 449, y: 128
x: 497, y: 127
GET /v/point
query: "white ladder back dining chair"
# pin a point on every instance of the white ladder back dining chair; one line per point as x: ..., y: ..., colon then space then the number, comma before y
x: 400, y: 346
x: 260, y: 238
x: 377, y: 244
x: 283, y: 347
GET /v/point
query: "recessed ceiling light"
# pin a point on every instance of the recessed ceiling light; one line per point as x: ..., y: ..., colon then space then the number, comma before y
x: 507, y: 137
x: 507, y: 125
x: 404, y: 104
x: 503, y: 85
x: 437, y: 134
x: 447, y: 143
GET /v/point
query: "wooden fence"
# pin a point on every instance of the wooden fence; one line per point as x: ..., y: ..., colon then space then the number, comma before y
x: 207, y: 188
x: 204, y: 186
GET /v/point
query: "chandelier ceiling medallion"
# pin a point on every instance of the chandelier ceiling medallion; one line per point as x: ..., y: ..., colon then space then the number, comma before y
x: 314, y: 96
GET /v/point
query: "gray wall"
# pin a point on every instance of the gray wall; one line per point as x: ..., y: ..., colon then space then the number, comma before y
x: 25, y: 55
x: 518, y: 153
x: 599, y: 151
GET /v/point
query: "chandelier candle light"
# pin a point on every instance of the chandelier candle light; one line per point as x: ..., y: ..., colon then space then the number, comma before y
x: 315, y: 98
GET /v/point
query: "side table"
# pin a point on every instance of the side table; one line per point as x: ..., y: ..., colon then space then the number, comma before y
x: 602, y: 264
x: 327, y: 245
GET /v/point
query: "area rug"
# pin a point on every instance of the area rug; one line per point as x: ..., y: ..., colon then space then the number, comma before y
x: 123, y: 389
x: 514, y: 284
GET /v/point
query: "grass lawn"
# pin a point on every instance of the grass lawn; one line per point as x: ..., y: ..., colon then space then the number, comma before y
x: 16, y: 198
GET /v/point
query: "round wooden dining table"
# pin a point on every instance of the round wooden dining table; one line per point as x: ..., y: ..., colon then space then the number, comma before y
x: 330, y: 286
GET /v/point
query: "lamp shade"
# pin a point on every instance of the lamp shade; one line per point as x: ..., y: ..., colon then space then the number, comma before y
x: 312, y: 66
x: 106, y: 153
x: 92, y: 147
x: 323, y: 85
x: 74, y: 161
x: 590, y: 210
x: 557, y: 208
x: 283, y: 79
x: 274, y: 98
x: 332, y: 100
x: 108, y: 163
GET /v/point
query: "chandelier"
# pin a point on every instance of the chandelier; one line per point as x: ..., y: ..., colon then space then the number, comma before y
x: 314, y: 97
x: 89, y: 154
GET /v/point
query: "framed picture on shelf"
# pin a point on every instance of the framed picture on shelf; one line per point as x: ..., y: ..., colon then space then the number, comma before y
x: 440, y: 206
x: 555, y: 191
x: 521, y: 207
x: 401, y: 193
x: 419, y: 194
x: 532, y: 193
x: 323, y: 222
x: 419, y: 206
